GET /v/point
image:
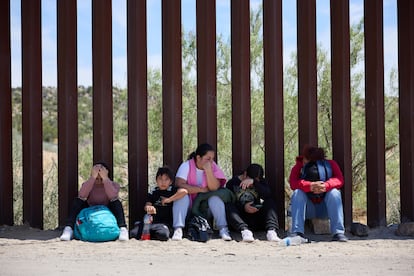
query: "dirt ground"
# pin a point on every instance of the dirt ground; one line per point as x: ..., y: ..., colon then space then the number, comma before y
x: 28, y: 251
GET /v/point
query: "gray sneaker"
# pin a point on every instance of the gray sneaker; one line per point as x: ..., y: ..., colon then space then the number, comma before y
x: 224, y: 234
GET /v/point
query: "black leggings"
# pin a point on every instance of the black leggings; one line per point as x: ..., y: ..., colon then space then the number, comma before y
x: 78, y: 204
x: 158, y: 231
x: 264, y: 219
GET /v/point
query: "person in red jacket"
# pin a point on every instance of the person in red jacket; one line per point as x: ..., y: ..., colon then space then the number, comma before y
x: 316, y: 184
x: 99, y: 189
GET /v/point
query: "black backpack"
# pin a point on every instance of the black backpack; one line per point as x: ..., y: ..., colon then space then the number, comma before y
x: 315, y: 171
x: 199, y: 229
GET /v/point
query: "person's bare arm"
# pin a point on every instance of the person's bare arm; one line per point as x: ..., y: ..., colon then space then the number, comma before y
x: 181, y: 183
x: 179, y: 194
x: 212, y: 182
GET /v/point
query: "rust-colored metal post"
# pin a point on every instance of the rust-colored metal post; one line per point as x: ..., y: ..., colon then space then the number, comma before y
x: 206, y: 72
x: 172, y: 83
x: 137, y: 108
x: 6, y: 161
x: 307, y: 90
x: 406, y: 101
x: 67, y: 106
x: 240, y: 92
x: 273, y: 102
x: 32, y: 113
x: 374, y: 104
x: 102, y: 81
x: 341, y: 99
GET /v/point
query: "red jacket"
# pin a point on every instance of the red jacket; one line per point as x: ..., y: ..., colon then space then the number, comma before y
x: 335, y: 182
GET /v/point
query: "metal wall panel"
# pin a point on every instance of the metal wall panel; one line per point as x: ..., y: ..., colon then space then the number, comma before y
x: 67, y: 106
x: 406, y: 101
x: 6, y: 170
x: 32, y: 113
x: 273, y: 102
x: 307, y: 90
x: 240, y: 90
x: 374, y: 104
x: 102, y: 82
x: 341, y: 99
x: 172, y: 83
x: 206, y: 72
x: 137, y: 108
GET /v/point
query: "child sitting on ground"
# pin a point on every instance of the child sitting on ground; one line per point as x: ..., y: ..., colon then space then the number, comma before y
x: 159, y: 205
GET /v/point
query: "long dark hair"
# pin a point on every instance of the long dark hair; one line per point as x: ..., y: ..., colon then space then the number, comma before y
x: 201, y: 150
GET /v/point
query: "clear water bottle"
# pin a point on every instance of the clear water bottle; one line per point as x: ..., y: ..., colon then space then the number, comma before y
x: 295, y: 240
x: 147, y: 227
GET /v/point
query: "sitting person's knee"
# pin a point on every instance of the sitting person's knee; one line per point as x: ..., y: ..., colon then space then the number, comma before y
x: 299, y: 195
x: 334, y: 193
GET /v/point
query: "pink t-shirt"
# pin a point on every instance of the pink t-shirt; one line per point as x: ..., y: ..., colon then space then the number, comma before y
x: 99, y: 194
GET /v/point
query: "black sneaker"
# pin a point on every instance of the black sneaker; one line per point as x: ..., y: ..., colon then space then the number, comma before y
x: 339, y: 237
x: 294, y: 234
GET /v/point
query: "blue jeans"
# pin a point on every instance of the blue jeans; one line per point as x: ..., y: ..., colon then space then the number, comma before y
x: 331, y: 207
x: 182, y: 206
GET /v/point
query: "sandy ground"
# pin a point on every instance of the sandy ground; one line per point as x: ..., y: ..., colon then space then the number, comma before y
x: 27, y: 251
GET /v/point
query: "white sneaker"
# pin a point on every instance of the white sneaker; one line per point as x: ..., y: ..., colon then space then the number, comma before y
x: 178, y: 234
x: 224, y: 234
x: 67, y: 234
x: 247, y: 235
x: 272, y: 236
x: 123, y: 234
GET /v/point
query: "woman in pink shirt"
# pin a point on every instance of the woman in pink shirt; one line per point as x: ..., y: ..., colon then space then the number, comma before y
x: 200, y: 174
x: 99, y: 189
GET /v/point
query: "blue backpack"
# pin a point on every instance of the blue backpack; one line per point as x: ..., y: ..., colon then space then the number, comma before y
x: 96, y: 224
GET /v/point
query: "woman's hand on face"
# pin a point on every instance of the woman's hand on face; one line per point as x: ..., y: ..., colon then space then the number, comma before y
x: 95, y: 171
x: 207, y: 166
x: 103, y: 172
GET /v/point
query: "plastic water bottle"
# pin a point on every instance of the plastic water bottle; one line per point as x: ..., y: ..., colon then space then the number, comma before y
x: 146, y: 228
x: 295, y: 240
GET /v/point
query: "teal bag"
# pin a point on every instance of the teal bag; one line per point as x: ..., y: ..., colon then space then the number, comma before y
x: 96, y: 224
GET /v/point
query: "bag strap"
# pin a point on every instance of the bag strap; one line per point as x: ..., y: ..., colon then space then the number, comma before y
x: 324, y: 169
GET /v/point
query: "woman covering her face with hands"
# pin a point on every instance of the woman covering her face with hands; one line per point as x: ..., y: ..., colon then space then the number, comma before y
x: 99, y: 189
